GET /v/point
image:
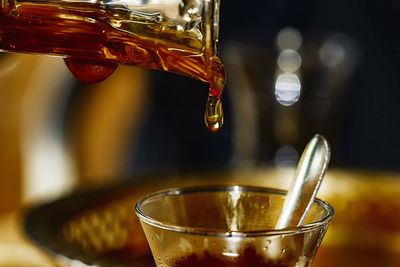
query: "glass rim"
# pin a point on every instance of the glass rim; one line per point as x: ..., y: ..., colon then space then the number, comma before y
x: 220, y: 233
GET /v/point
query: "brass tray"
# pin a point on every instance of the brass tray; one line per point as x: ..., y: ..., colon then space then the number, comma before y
x: 95, y: 227
x: 98, y: 227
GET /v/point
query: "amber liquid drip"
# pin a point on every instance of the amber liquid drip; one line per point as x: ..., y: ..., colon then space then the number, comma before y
x: 93, y: 48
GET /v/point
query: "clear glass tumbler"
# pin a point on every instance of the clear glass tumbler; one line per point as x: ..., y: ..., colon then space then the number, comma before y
x: 228, y: 226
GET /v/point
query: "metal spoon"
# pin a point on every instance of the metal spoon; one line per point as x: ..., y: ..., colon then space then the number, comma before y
x: 307, y: 180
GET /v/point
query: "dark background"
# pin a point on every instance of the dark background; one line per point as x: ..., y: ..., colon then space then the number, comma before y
x: 363, y: 123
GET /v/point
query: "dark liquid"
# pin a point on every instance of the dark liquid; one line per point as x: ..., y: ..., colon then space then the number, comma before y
x: 90, y: 71
x: 249, y: 258
x: 83, y: 32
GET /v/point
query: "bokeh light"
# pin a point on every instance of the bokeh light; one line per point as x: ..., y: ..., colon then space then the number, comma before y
x: 287, y: 88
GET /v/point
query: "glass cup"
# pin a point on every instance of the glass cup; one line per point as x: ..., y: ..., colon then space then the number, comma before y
x: 228, y: 226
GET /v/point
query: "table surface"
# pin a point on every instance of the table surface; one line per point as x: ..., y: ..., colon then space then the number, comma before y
x: 17, y: 250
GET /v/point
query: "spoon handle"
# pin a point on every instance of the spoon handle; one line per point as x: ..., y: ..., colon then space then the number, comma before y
x: 307, y: 180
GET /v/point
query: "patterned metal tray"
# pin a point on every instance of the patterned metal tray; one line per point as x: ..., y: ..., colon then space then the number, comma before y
x: 95, y: 227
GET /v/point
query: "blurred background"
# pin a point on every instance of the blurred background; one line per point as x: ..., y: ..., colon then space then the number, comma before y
x: 294, y: 68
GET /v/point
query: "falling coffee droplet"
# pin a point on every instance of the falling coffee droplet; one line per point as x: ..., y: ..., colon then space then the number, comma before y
x: 90, y: 71
x: 214, y: 113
